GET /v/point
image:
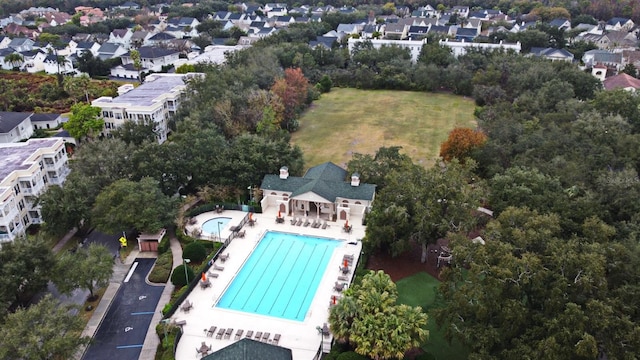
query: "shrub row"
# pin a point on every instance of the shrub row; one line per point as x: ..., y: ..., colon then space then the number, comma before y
x: 227, y: 206
x: 162, y: 268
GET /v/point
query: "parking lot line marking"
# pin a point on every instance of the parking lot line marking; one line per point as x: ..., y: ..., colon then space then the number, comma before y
x: 143, y: 313
x: 133, y: 268
x: 128, y: 346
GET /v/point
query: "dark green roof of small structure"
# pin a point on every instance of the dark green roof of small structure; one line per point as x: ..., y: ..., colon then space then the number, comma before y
x: 248, y: 349
x: 327, y: 171
x: 325, y: 180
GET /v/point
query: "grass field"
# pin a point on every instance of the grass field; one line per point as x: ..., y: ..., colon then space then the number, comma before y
x: 420, y: 290
x: 347, y: 121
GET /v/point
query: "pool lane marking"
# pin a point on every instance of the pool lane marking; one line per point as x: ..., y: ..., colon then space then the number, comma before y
x: 282, y: 271
x: 131, y: 271
x: 143, y: 313
x: 129, y: 346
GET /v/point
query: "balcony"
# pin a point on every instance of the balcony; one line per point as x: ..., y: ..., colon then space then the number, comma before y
x: 36, y: 220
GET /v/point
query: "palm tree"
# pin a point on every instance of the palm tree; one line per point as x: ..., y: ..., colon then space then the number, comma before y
x: 15, y: 59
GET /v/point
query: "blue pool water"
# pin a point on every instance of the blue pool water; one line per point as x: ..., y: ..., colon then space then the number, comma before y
x: 211, y: 226
x: 281, y: 276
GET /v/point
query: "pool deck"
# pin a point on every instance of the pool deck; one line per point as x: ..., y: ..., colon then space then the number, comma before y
x: 302, y: 337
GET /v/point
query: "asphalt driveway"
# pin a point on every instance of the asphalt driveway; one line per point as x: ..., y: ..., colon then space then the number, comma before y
x: 124, y: 327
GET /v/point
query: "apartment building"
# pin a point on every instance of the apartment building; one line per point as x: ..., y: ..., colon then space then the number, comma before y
x: 26, y: 170
x: 156, y: 100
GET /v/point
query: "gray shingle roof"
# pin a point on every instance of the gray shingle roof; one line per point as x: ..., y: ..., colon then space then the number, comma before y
x: 248, y: 349
x: 44, y: 117
x: 148, y: 52
x: 9, y: 120
x: 326, y: 180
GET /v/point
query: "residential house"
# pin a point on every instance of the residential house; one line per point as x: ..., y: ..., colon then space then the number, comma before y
x: 15, y: 126
x: 562, y: 24
x: 523, y: 26
x: 618, y: 40
x: 619, y: 23
x: 156, y: 100
x: 121, y: 36
x: 349, y: 29
x: 90, y: 15
x: 414, y: 46
x: 326, y: 42
x: 4, y: 42
x: 283, y: 21
x: 486, y: 14
x: 270, y: 6
x: 395, y: 31
x: 631, y: 57
x: 26, y: 170
x: 622, y: 81
x: 473, y: 24
x: 21, y: 44
x: 221, y: 15
x: 441, y: 30
x: 46, y: 121
x: 127, y: 71
x: 20, y: 30
x: 84, y: 46
x: 264, y: 32
x: 5, y: 64
x: 160, y: 38
x: 552, y: 54
x: 111, y: 50
x: 321, y: 192
x: 275, y: 12
x: 466, y: 34
x: 417, y: 32
x: 57, y: 18
x: 153, y: 58
x: 602, y: 57
x: 369, y: 30
x: 33, y: 60
x: 58, y: 65
x: 184, y: 21
x: 129, y: 5
x: 425, y: 11
x: 462, y: 11
x: 459, y: 48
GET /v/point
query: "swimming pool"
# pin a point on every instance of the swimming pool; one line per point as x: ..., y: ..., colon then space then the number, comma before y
x: 211, y: 226
x: 281, y: 276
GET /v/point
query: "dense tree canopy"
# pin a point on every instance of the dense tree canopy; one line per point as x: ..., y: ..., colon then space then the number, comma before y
x: 126, y: 204
x: 369, y: 318
x: 46, y: 330
x: 87, y: 268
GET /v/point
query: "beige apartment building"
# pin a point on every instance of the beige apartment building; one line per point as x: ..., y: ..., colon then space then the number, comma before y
x: 156, y: 100
x: 26, y: 170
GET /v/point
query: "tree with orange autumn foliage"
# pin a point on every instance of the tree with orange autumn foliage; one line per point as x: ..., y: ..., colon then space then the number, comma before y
x: 460, y: 144
x: 293, y: 91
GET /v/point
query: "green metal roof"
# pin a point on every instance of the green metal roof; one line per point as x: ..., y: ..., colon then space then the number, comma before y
x: 325, y: 180
x: 248, y: 349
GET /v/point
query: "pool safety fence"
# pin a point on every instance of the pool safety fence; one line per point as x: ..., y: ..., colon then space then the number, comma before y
x: 205, y: 267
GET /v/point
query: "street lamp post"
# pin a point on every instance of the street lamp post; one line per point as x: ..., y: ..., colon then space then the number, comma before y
x: 219, y: 236
x: 186, y: 275
x: 165, y: 322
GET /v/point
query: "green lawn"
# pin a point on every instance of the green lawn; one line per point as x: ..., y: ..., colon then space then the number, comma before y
x: 345, y: 121
x: 420, y: 290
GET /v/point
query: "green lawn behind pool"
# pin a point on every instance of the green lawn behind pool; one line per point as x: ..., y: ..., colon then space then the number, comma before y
x: 420, y: 290
x: 346, y: 121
